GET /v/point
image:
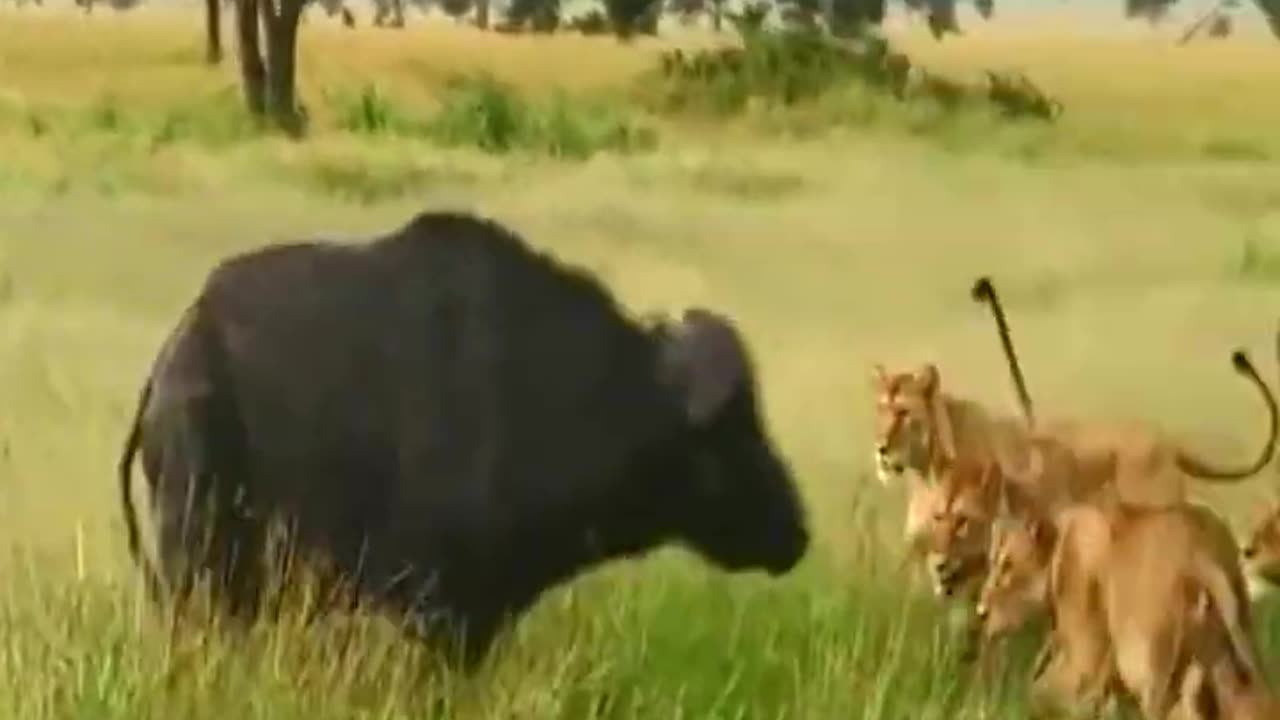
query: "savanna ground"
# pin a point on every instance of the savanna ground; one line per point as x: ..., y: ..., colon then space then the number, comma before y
x: 1136, y: 242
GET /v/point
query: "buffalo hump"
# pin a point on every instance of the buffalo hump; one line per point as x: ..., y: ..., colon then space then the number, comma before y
x: 453, y: 421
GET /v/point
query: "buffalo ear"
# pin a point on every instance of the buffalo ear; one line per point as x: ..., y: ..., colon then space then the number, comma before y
x: 656, y: 323
x: 703, y: 360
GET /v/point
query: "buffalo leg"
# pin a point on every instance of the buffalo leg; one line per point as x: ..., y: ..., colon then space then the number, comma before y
x: 203, y: 530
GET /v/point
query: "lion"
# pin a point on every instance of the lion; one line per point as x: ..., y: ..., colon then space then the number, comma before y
x: 1219, y: 682
x: 955, y: 537
x: 1176, y: 602
x: 1042, y: 564
x: 968, y: 497
x: 1145, y: 601
x: 919, y: 428
x: 1260, y: 553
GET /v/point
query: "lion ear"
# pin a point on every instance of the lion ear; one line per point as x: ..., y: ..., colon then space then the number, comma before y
x: 879, y: 376
x: 928, y: 378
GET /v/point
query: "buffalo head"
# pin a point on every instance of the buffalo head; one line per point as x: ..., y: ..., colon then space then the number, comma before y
x: 740, y: 506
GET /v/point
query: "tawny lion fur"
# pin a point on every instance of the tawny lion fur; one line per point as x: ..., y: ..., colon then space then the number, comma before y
x: 1149, y: 601
x: 923, y: 429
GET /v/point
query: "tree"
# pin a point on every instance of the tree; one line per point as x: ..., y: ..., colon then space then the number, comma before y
x: 633, y: 17
x: 1271, y: 11
x: 851, y: 17
x: 213, y: 31
x: 456, y: 9
x: 389, y: 12
x: 268, y: 78
x: 1153, y: 11
x: 541, y: 15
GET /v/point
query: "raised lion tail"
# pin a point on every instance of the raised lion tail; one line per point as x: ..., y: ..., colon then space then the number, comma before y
x: 984, y: 291
x: 1199, y: 468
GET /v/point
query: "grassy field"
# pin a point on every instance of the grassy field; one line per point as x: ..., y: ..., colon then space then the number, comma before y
x: 1136, y: 243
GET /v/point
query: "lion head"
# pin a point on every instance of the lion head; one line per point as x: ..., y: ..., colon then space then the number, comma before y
x: 1261, y: 552
x: 1018, y: 566
x: 911, y: 430
x: 959, y: 531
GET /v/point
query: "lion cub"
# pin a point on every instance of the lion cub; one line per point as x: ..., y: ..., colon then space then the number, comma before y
x: 1144, y: 599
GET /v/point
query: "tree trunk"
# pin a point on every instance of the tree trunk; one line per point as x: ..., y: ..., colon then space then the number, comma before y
x: 1271, y: 10
x: 213, y: 31
x: 717, y: 15
x: 281, y: 26
x: 252, y: 72
x: 482, y: 14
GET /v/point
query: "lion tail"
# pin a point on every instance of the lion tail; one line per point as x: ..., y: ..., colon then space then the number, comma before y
x: 1201, y: 469
x: 984, y: 291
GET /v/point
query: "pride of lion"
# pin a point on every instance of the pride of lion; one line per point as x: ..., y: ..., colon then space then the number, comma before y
x: 1086, y: 525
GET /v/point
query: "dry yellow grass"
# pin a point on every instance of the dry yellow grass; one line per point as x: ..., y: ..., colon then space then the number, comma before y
x: 1128, y: 285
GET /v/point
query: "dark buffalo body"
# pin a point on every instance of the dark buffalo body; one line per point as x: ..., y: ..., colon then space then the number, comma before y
x: 453, y: 421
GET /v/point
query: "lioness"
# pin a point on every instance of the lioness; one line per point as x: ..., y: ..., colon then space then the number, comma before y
x: 1127, y: 588
x: 1042, y: 562
x: 1175, y: 599
x: 1219, y: 682
x: 948, y: 520
x: 968, y: 498
x: 955, y: 537
x: 919, y: 427
x: 1261, y: 553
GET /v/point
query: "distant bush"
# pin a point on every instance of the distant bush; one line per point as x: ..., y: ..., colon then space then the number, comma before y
x: 799, y: 66
x: 486, y: 114
x: 782, y: 67
x: 592, y: 22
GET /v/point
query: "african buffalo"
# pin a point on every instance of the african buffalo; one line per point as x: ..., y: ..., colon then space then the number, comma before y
x: 454, y: 422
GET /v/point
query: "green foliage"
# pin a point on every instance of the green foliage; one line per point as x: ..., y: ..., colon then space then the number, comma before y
x: 592, y: 22
x: 541, y: 16
x: 786, y: 68
x: 484, y: 113
x: 370, y: 111
x: 852, y: 17
x: 633, y: 17
x: 799, y: 81
x: 215, y: 119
